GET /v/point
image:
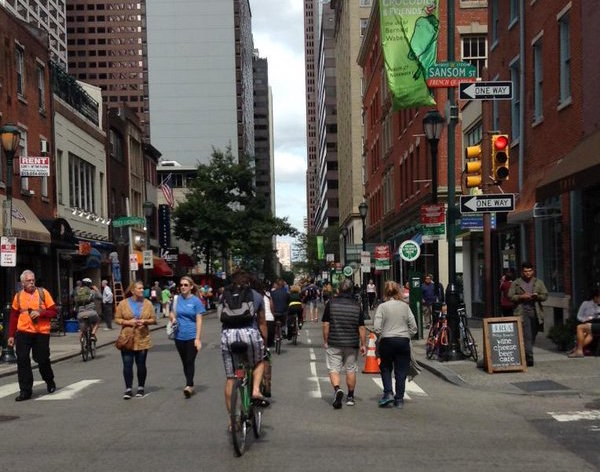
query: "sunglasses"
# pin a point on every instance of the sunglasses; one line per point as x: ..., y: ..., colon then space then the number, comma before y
x: 184, y: 285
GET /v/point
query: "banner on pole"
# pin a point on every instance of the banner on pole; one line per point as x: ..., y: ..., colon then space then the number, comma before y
x: 320, y: 248
x: 409, y: 34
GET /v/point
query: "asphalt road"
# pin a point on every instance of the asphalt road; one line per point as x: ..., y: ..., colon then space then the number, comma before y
x: 86, y: 425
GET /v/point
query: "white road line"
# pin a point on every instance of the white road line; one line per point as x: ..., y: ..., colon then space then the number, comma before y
x: 316, y: 392
x: 69, y: 392
x: 12, y: 388
x: 590, y: 415
x: 410, y: 387
x: 312, y: 355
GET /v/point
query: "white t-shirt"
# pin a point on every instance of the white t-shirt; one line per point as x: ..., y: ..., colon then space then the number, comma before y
x: 371, y: 288
x: 268, y: 314
x: 588, y: 311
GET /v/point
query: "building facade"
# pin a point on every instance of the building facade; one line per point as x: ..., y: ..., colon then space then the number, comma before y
x: 107, y: 47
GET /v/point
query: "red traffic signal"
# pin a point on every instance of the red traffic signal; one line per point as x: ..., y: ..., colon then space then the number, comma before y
x: 500, y: 157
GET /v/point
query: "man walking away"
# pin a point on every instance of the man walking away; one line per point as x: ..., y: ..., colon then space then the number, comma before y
x: 344, y: 335
x: 528, y: 293
x: 29, y: 328
x: 107, y: 305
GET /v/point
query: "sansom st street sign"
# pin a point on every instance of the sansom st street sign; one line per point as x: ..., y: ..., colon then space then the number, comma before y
x: 487, y: 203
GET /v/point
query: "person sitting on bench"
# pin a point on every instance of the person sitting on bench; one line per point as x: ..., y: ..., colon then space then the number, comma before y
x: 589, y: 317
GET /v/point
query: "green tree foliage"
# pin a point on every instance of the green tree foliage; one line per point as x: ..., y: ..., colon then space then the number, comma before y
x: 222, y: 214
x: 306, y: 248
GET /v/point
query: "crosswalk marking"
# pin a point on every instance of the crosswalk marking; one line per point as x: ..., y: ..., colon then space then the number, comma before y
x: 13, y: 388
x: 589, y: 415
x: 70, y: 391
x: 410, y: 388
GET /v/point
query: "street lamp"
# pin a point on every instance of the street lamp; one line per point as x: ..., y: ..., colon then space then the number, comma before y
x: 345, y: 236
x: 433, y: 125
x: 363, y: 208
x: 148, y: 208
x: 10, y: 136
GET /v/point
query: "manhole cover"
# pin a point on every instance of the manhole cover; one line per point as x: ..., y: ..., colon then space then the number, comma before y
x: 540, y: 386
x: 8, y: 418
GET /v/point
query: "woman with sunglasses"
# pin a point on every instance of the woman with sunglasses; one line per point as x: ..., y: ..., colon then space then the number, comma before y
x: 137, y: 312
x: 187, y: 313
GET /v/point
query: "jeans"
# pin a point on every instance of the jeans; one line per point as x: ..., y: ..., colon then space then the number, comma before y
x: 140, y: 362
x: 530, y: 330
x: 107, y: 314
x: 395, y: 354
x: 157, y: 309
x: 39, y: 346
x: 187, y: 352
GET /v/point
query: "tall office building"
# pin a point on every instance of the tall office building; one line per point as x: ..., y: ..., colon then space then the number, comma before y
x: 106, y: 42
x: 326, y: 199
x: 311, y: 39
x: 201, y: 88
x: 48, y: 15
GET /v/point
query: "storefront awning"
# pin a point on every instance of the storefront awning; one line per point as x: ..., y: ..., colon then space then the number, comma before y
x: 25, y: 225
x: 185, y: 260
x: 161, y: 268
x: 578, y: 169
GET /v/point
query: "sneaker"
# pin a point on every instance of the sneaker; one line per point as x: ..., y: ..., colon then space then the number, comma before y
x: 51, y: 387
x: 385, y: 400
x: 350, y: 401
x: 399, y: 404
x: 337, y: 402
x: 140, y: 392
x: 94, y: 338
x: 127, y: 394
x: 188, y: 391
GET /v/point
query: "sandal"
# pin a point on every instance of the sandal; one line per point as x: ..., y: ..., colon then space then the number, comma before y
x: 574, y: 355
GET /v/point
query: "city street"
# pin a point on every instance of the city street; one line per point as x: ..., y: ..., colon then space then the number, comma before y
x: 85, y: 424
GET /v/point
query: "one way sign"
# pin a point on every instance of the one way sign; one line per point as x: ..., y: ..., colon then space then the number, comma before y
x: 487, y: 203
x: 485, y: 90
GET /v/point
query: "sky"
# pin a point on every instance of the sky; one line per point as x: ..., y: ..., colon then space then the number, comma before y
x: 278, y: 29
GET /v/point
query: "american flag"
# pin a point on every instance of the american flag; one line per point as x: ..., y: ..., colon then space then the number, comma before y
x: 167, y: 190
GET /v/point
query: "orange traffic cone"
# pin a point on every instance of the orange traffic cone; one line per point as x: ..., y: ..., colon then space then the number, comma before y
x: 371, y: 364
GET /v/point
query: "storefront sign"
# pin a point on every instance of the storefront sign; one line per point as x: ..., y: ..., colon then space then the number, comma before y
x: 133, y: 262
x: 8, y: 251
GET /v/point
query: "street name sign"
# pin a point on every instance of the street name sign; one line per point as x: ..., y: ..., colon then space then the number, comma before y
x: 450, y: 74
x: 487, y: 203
x: 128, y: 221
x: 485, y: 91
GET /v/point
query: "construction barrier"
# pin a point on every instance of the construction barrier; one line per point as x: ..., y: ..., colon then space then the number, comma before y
x: 371, y: 361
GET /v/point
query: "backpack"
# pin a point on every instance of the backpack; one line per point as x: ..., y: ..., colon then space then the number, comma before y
x: 83, y: 296
x: 236, y: 309
x: 40, y: 291
x: 311, y: 293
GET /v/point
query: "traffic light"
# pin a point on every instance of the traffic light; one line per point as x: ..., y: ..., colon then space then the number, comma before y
x: 473, y: 166
x: 500, y: 157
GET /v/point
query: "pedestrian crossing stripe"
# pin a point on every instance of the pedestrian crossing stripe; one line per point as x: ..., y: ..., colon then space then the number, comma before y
x: 411, y: 388
x: 589, y: 415
x: 62, y: 393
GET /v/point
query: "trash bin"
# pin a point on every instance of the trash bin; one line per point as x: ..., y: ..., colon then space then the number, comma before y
x: 71, y: 326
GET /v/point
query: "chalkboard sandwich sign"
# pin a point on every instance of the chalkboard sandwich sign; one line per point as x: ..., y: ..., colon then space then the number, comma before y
x: 503, y: 344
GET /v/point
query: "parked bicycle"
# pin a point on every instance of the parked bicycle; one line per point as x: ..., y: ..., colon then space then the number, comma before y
x: 438, y: 338
x: 88, y: 342
x: 467, y: 342
x: 244, y: 413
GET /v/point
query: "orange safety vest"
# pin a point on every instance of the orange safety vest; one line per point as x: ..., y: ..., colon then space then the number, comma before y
x: 23, y: 302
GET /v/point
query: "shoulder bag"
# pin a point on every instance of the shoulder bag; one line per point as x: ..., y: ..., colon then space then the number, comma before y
x: 125, y: 341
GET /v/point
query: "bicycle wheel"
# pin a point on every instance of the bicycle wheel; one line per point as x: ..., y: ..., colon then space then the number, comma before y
x: 84, y: 347
x: 239, y: 424
x: 431, y: 342
x: 256, y: 414
x: 468, y: 346
x: 92, y: 346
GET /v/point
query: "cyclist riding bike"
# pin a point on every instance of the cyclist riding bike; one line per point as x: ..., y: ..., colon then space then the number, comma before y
x: 295, y: 309
x: 85, y: 305
x: 281, y: 300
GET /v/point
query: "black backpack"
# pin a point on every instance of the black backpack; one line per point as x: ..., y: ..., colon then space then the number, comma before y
x: 236, y: 309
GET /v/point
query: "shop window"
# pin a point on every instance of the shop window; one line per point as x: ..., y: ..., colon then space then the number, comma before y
x: 549, y: 230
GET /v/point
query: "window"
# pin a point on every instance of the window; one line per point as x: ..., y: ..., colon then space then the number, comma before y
x: 474, y: 135
x: 82, y: 176
x: 494, y: 21
x: 364, y: 22
x: 514, y: 12
x: 515, y: 104
x: 474, y: 51
x: 20, y: 63
x: 116, y: 145
x: 41, y: 84
x: 551, y: 255
x: 538, y: 81
x: 22, y: 152
x: 565, y: 57
x: 366, y: 3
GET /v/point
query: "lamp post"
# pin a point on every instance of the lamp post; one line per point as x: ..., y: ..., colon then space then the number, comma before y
x: 363, y: 208
x: 345, y: 236
x: 10, y: 137
x: 433, y: 125
x: 148, y: 208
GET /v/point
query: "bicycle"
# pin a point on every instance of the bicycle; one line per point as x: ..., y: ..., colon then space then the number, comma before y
x: 438, y: 337
x: 295, y: 329
x: 467, y: 342
x: 278, y: 338
x: 244, y: 413
x: 88, y: 343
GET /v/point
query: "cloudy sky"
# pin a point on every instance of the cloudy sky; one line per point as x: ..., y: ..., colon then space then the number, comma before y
x: 278, y: 27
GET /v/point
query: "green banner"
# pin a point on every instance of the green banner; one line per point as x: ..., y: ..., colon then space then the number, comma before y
x: 409, y: 33
x: 320, y: 248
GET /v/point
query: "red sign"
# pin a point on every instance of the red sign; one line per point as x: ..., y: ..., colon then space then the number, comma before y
x: 445, y: 82
x: 382, y: 251
x: 85, y: 248
x: 433, y: 214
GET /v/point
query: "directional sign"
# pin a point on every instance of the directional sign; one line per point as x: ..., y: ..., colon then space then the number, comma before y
x: 485, y: 91
x: 487, y: 203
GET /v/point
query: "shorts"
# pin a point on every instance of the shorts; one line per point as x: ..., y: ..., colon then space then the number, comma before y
x: 85, y: 317
x: 250, y: 336
x: 312, y: 304
x: 339, y: 357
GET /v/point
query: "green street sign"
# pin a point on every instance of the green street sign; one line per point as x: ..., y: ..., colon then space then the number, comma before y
x: 409, y: 251
x: 450, y: 74
x: 348, y: 271
x: 129, y: 221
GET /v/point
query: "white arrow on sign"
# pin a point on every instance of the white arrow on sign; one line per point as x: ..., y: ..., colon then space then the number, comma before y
x: 486, y: 91
x: 472, y: 203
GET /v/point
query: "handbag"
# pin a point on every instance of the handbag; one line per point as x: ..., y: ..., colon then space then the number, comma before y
x: 172, y: 329
x: 125, y: 341
x: 413, y: 366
